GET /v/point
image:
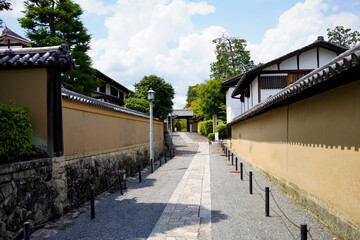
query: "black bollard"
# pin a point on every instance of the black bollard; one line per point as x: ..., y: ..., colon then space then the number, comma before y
x: 229, y: 155
x: 225, y: 152
x: 26, y: 231
x: 151, y: 166
x: 165, y: 158
x: 267, y: 202
x: 250, y: 182
x: 92, y: 200
x: 160, y: 161
x: 120, y: 186
x: 236, y: 163
x: 241, y: 171
x: 303, y: 230
x: 232, y: 159
x: 139, y: 168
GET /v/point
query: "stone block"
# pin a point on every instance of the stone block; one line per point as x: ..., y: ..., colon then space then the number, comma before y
x: 6, y: 189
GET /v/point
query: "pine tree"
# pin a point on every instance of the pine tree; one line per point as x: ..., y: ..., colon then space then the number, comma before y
x: 231, y: 58
x: 52, y: 22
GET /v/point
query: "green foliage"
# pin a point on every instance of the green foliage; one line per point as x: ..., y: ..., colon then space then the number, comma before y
x: 4, y: 5
x: 15, y: 132
x: 211, y: 136
x: 193, y: 100
x: 180, y: 125
x: 205, y: 127
x: 138, y: 104
x: 211, y: 98
x: 343, y: 37
x: 49, y: 23
x: 164, y: 94
x: 221, y: 129
x: 231, y: 58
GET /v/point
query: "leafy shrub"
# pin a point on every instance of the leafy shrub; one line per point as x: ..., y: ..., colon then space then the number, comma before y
x: 205, y: 127
x: 15, y: 132
x: 211, y: 136
x: 221, y: 129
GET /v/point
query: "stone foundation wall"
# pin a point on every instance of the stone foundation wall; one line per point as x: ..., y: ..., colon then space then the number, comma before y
x: 40, y: 190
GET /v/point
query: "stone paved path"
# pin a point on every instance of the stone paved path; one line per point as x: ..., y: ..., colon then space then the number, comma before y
x: 188, y: 213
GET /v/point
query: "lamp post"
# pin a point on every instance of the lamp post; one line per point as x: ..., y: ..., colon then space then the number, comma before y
x: 151, y: 97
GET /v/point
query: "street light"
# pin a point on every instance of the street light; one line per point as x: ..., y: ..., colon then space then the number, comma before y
x: 151, y: 97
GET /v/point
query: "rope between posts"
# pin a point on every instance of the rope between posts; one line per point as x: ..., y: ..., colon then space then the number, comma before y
x: 283, y: 212
x: 278, y: 207
x: 258, y: 184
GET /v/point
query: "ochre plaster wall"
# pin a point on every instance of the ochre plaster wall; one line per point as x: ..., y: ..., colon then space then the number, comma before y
x: 313, y: 146
x: 91, y: 129
x: 28, y: 87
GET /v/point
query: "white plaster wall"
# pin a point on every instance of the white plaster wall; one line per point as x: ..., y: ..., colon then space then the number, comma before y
x: 265, y: 93
x: 289, y: 64
x: 308, y: 59
x: 325, y: 56
x: 254, y: 95
x: 233, y: 106
x: 272, y: 67
x: 107, y: 88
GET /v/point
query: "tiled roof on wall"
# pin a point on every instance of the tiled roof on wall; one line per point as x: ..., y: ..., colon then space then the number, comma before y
x: 183, y: 112
x: 77, y: 97
x: 319, y: 80
x: 37, y: 57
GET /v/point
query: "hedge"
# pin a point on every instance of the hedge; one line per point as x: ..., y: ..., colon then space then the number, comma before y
x: 15, y: 132
x: 205, y: 127
x: 221, y: 129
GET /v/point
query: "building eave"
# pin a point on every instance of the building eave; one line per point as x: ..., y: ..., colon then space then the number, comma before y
x: 341, y: 70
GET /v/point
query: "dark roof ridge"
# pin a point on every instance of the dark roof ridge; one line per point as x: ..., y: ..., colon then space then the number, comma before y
x: 77, y: 97
x: 338, y: 65
x: 7, y: 32
x: 37, y: 57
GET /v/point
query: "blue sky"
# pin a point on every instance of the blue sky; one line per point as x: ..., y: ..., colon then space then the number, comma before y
x: 172, y: 38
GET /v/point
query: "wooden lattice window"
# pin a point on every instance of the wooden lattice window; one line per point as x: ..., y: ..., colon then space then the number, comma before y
x: 273, y: 82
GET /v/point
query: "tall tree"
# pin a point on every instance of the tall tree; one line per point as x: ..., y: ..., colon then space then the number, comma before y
x: 4, y: 5
x: 211, y: 100
x: 193, y: 100
x: 343, y: 37
x: 231, y: 58
x: 52, y: 22
x: 164, y: 94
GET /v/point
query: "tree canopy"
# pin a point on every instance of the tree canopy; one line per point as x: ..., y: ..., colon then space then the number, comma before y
x: 231, y: 58
x: 52, y: 22
x: 5, y: 5
x: 343, y: 37
x: 164, y: 94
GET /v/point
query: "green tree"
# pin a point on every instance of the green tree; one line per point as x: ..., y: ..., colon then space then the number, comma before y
x: 4, y: 5
x: 231, y: 58
x: 180, y: 125
x: 193, y: 100
x: 343, y: 37
x: 138, y: 104
x: 52, y: 22
x: 211, y: 100
x: 164, y: 94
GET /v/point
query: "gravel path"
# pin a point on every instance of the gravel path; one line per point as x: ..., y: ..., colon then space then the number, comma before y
x: 244, y: 214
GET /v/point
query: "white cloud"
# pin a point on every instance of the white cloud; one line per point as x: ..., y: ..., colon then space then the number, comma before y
x: 17, y: 6
x: 298, y: 27
x: 138, y: 44
x: 96, y: 7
